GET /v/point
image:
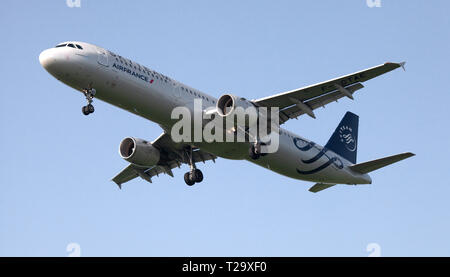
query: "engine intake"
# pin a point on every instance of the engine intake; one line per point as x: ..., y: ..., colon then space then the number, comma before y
x: 228, y: 103
x: 232, y: 107
x: 139, y: 152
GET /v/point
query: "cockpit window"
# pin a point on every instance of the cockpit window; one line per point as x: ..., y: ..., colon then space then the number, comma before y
x: 69, y: 45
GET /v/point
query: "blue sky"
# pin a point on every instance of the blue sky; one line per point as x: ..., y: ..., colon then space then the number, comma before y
x: 57, y: 164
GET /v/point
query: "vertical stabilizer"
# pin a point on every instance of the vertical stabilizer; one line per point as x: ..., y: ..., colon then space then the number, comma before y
x: 344, y: 140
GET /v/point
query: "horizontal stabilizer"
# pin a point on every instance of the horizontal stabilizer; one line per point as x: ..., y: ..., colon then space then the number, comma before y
x: 370, y: 166
x: 320, y: 186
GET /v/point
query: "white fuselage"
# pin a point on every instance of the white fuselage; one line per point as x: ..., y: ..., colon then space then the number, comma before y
x: 149, y: 94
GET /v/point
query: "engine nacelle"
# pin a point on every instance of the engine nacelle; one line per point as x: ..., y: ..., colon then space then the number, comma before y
x: 139, y: 152
x: 232, y: 107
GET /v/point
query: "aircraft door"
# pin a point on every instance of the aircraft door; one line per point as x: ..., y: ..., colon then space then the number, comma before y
x: 102, y: 56
x: 176, y: 94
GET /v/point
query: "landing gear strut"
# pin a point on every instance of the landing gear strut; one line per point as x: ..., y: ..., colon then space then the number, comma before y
x: 195, y: 175
x: 255, y: 151
x: 89, y: 94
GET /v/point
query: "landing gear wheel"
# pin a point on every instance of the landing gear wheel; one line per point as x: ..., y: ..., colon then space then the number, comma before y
x: 85, y: 110
x: 197, y: 175
x: 90, y: 108
x: 188, y: 179
x: 194, y: 175
x: 252, y: 153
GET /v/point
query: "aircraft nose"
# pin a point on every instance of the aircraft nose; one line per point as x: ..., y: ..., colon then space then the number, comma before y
x: 47, y: 59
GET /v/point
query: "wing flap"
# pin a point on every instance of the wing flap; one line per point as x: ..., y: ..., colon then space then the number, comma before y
x: 127, y: 174
x: 312, y: 91
x: 327, y: 92
x: 294, y: 112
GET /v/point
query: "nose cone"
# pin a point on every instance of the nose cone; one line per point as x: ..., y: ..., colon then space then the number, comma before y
x: 47, y: 60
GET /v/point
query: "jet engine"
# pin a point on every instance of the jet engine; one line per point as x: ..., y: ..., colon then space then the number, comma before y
x: 232, y: 107
x: 139, y: 152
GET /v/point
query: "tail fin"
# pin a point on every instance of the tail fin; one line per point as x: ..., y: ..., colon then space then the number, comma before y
x: 379, y: 163
x: 344, y: 140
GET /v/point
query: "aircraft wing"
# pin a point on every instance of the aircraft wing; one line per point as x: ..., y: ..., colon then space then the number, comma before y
x: 172, y: 155
x: 304, y: 100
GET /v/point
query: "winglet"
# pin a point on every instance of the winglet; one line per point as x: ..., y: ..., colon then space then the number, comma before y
x: 402, y: 64
x: 120, y: 186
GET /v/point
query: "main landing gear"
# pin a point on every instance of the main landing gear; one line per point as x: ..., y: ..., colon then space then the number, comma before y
x: 195, y: 175
x: 89, y: 94
x: 255, y: 151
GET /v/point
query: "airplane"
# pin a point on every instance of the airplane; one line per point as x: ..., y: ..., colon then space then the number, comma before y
x: 100, y: 73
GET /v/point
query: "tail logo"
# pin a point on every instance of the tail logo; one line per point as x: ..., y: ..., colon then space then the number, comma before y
x: 347, y: 138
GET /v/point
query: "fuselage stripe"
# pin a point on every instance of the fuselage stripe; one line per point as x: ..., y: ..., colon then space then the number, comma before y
x: 325, y: 165
x: 315, y: 158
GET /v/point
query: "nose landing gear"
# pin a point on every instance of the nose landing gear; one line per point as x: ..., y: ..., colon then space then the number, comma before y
x: 88, y: 109
x: 89, y: 94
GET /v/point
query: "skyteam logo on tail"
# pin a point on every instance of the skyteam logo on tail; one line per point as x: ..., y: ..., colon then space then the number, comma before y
x: 346, y: 137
